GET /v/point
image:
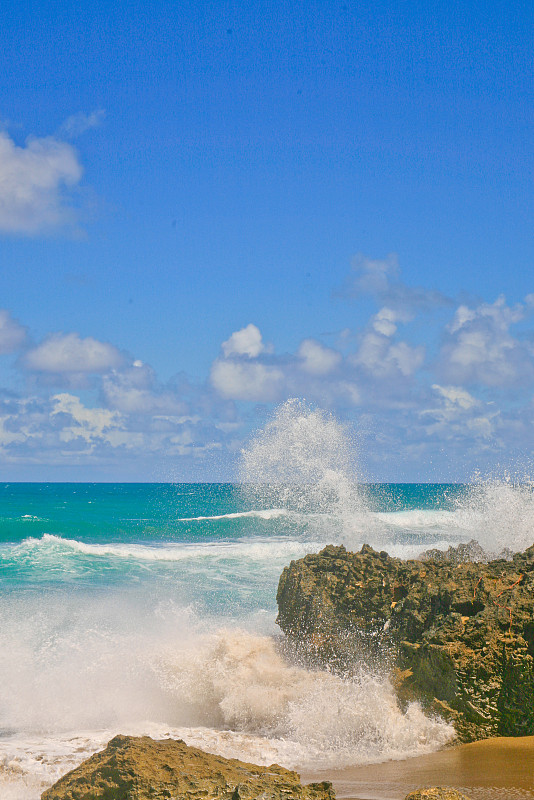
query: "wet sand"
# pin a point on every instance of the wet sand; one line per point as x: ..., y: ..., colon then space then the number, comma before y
x: 494, y: 769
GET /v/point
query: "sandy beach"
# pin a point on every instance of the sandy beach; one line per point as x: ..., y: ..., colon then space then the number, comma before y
x: 494, y: 769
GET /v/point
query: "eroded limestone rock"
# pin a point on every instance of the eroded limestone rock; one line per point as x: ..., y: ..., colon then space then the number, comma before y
x: 140, y: 768
x: 459, y: 636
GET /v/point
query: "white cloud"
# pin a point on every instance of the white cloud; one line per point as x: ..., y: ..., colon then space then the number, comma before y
x: 350, y: 390
x: 384, y: 322
x: 88, y: 422
x: 318, y: 359
x: 455, y: 396
x: 458, y: 415
x: 383, y: 357
x: 7, y: 436
x: 68, y: 353
x: 380, y: 278
x: 371, y: 275
x: 33, y: 179
x: 77, y: 124
x: 479, y: 347
x: 12, y: 333
x: 134, y: 390
x: 239, y: 380
x: 93, y: 425
x: 245, y: 342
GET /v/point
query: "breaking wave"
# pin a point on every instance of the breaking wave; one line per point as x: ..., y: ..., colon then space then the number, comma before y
x: 306, y: 461
x: 228, y: 691
x: 176, y: 637
x: 268, y: 513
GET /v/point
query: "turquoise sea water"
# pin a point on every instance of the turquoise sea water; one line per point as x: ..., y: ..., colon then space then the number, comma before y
x: 215, y: 545
x: 226, y: 548
x: 172, y: 512
x: 151, y: 608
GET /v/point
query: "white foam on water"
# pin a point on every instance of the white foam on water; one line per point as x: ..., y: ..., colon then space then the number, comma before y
x: 497, y: 512
x: 79, y: 667
x: 227, y: 691
x: 236, y: 680
x: 306, y: 461
x: 254, y: 549
x: 268, y: 513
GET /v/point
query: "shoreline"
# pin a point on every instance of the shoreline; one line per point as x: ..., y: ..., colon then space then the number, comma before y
x: 489, y: 769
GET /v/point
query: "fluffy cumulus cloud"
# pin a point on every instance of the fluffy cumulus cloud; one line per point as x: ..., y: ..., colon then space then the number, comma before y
x: 89, y: 424
x: 415, y: 400
x: 318, y: 359
x: 34, y: 183
x: 249, y: 370
x: 125, y: 417
x: 381, y: 355
x: 456, y: 413
x: 12, y: 333
x: 238, y: 375
x: 68, y: 353
x: 64, y: 431
x: 246, y: 342
x: 135, y: 390
x: 479, y: 347
x: 247, y: 381
x: 467, y: 391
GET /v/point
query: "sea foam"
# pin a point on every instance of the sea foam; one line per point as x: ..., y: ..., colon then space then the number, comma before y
x: 227, y: 691
x: 177, y: 638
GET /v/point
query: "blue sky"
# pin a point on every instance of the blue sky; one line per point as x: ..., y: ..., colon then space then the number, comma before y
x: 209, y: 207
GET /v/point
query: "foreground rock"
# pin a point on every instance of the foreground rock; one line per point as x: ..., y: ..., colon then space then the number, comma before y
x: 459, y: 636
x: 436, y: 793
x: 139, y: 768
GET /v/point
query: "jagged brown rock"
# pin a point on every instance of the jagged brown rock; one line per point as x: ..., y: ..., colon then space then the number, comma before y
x: 459, y: 636
x: 470, y: 551
x: 140, y: 768
x: 463, y: 552
x: 436, y: 793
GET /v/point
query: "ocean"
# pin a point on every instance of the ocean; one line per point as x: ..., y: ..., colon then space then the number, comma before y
x: 151, y: 608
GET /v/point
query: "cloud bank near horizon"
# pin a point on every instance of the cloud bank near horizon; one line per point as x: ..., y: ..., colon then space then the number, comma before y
x: 427, y: 381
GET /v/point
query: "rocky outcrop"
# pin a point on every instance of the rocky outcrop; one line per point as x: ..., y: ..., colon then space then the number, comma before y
x: 470, y: 551
x: 458, y: 637
x: 436, y: 793
x: 139, y: 768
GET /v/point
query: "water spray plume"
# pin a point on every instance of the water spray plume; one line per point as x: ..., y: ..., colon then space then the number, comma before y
x: 305, y: 461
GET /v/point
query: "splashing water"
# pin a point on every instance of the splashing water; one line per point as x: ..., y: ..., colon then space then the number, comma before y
x: 305, y: 461
x: 227, y: 691
x: 237, y: 680
x: 499, y: 513
x: 170, y: 631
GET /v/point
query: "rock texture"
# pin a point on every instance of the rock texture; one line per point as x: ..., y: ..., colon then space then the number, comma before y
x: 139, y: 768
x: 436, y: 793
x: 471, y: 551
x: 459, y: 636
